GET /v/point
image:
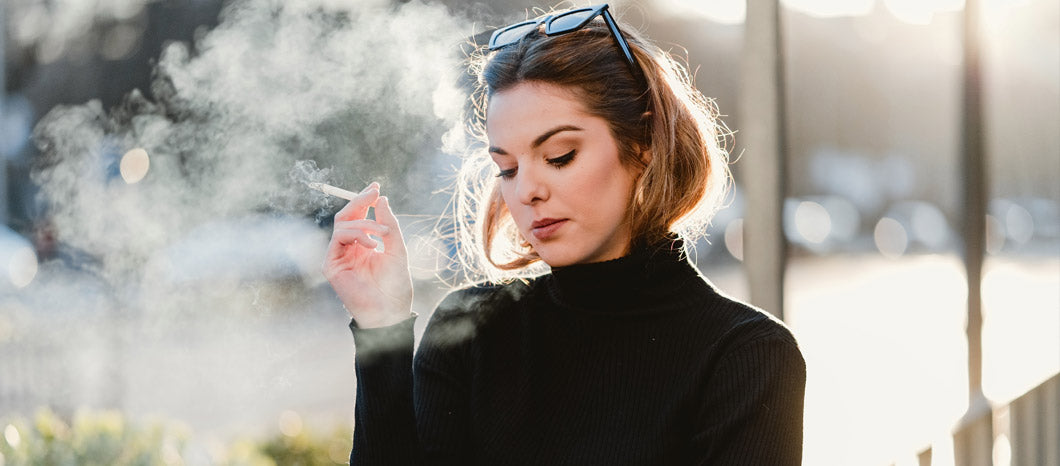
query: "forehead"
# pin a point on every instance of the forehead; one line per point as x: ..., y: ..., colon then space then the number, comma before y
x: 521, y: 113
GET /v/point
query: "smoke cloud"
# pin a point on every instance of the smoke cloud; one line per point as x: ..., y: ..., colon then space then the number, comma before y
x: 188, y: 210
x: 363, y: 89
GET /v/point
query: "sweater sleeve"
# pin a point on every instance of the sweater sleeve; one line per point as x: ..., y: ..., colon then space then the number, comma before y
x: 752, y: 408
x: 413, y: 410
x: 384, y: 431
x: 442, y: 392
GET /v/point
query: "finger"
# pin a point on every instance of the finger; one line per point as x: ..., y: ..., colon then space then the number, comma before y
x: 371, y: 225
x: 352, y: 237
x: 341, y: 243
x: 393, y: 242
x: 374, y: 184
x: 357, y: 208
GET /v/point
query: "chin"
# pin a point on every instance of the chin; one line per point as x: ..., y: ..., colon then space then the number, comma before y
x: 556, y: 255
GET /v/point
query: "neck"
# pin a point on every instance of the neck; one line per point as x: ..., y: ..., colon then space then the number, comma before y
x: 646, y: 278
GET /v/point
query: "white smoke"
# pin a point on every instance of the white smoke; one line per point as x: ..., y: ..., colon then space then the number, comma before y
x: 175, y: 202
x: 354, y: 86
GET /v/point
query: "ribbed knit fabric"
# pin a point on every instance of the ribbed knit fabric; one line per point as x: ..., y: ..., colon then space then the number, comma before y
x: 634, y: 361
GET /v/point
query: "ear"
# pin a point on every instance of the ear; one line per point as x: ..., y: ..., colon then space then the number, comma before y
x: 645, y: 152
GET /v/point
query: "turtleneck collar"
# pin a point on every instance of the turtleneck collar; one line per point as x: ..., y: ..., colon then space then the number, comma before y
x: 646, y: 280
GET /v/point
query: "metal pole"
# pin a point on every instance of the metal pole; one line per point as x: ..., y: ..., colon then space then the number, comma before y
x: 761, y: 134
x: 973, y: 443
x: 3, y: 97
x: 975, y: 193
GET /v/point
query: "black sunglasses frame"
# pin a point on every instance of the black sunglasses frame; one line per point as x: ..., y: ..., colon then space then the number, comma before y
x: 593, y: 12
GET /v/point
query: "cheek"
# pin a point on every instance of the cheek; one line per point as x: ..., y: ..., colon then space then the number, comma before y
x: 511, y: 201
x: 610, y: 190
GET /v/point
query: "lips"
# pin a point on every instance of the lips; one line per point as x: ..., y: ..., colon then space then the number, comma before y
x: 546, y: 228
x: 545, y: 222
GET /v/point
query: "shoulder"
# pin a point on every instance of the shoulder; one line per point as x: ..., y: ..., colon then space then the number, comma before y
x: 744, y: 326
x: 463, y: 311
x: 481, y: 298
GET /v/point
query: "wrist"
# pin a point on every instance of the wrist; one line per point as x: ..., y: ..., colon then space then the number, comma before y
x: 383, y: 320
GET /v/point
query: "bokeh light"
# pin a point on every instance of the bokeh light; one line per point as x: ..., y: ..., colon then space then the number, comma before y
x: 1019, y: 225
x: 290, y: 423
x: 22, y: 266
x: 812, y: 221
x: 339, y: 452
x: 844, y: 218
x: 891, y: 237
x: 929, y: 225
x: 11, y: 436
x: 134, y: 165
x: 18, y: 260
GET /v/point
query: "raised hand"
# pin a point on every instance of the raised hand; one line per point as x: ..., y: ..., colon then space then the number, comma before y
x: 375, y: 286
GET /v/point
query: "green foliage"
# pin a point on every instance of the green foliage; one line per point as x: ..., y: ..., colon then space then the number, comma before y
x: 100, y: 438
x: 107, y: 438
x: 304, y: 449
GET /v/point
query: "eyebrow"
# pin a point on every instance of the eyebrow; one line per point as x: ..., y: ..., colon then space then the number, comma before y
x: 540, y: 139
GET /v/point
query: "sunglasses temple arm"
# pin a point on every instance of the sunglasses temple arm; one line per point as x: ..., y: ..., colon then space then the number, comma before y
x: 610, y: 20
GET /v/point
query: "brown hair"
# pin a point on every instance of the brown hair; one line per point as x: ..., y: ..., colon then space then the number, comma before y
x: 653, y: 108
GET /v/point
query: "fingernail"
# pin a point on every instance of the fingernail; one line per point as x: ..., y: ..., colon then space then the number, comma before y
x: 385, y: 229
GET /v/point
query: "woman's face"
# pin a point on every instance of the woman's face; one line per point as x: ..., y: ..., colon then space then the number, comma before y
x: 560, y: 174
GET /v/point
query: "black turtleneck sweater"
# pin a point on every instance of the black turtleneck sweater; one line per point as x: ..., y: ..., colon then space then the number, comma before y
x: 634, y: 361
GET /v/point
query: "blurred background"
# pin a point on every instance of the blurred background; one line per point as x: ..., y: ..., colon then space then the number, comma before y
x: 160, y: 294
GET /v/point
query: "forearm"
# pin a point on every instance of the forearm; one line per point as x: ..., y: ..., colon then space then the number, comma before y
x: 384, y: 421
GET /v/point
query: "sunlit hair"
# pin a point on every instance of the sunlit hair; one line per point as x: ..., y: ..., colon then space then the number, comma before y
x: 658, y: 109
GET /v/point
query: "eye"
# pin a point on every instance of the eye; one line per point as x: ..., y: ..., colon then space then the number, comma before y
x: 562, y: 160
x: 506, y: 174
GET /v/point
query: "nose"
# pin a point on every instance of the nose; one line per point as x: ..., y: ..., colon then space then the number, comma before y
x: 531, y: 187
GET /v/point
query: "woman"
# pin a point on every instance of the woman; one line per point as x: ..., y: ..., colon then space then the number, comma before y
x: 622, y: 353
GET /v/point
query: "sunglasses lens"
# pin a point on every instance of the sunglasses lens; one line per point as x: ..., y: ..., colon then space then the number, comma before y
x: 569, y: 21
x: 511, y: 35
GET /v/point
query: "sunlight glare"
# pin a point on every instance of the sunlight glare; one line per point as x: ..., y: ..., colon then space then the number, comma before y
x: 1002, y: 451
x: 719, y: 11
x: 1021, y: 315
x: 920, y: 12
x: 942, y: 451
x: 831, y: 8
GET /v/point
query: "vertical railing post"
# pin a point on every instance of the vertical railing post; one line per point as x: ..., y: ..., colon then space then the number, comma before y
x: 973, y: 442
x: 924, y: 458
x: 761, y: 134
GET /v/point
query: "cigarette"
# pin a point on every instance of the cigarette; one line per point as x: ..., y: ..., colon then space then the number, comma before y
x: 329, y: 189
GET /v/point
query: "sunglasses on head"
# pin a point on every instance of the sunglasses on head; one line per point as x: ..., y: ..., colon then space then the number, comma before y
x: 562, y: 23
